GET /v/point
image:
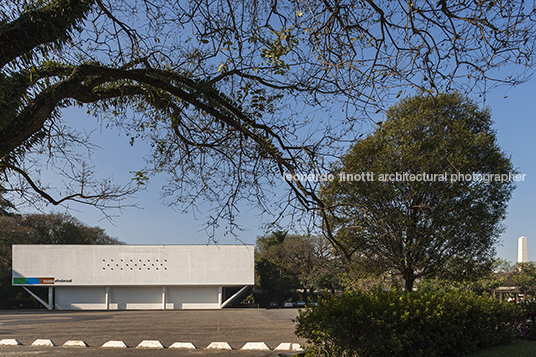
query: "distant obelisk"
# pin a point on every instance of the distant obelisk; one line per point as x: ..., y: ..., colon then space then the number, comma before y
x: 522, y: 255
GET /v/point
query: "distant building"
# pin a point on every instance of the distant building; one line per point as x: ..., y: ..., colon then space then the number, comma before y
x: 124, y: 277
x: 522, y: 253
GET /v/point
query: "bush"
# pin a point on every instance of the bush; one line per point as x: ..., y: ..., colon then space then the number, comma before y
x: 391, y: 323
x: 526, y: 328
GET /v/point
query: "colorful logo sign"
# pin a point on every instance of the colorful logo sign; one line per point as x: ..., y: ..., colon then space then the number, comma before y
x: 33, y: 281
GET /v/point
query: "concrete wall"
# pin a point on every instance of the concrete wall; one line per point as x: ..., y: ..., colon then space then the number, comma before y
x: 125, y: 277
x: 135, y: 298
x: 192, y: 298
x: 80, y: 298
x: 133, y: 265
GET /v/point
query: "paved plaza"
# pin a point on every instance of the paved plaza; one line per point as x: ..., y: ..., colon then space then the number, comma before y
x: 200, y: 327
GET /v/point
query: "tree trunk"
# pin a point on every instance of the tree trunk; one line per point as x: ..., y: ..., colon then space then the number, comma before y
x: 409, y: 279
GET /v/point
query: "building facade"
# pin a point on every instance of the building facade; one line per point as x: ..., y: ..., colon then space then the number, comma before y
x: 123, y: 277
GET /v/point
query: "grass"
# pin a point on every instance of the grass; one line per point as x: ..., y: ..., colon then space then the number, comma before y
x: 517, y: 349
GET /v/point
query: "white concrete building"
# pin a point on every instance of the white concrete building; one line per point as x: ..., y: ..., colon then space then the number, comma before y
x: 119, y: 277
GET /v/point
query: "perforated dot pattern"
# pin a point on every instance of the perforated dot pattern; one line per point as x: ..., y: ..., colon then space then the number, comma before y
x: 134, y: 264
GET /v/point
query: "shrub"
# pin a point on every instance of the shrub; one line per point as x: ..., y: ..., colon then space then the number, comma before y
x: 391, y: 323
x: 526, y: 327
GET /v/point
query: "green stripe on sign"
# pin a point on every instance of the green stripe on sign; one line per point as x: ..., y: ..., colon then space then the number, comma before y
x: 19, y: 281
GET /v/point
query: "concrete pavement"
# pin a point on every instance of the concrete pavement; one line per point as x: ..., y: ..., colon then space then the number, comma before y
x: 200, y: 327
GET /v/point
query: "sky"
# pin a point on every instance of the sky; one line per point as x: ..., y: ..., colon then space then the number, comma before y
x: 513, y: 111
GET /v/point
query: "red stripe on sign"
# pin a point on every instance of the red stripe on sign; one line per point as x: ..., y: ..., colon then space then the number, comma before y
x: 46, y: 280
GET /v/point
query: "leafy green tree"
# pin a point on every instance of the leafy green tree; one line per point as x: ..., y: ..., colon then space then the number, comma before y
x: 429, y: 205
x: 266, y: 243
x: 64, y: 229
x: 504, y: 274
x: 39, y: 229
x: 11, y: 232
x: 287, y: 262
x: 313, y: 263
x: 522, y: 275
x: 275, y: 282
x: 226, y: 90
x: 273, y: 278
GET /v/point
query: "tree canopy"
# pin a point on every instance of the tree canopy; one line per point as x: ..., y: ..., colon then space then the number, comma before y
x: 232, y: 95
x: 39, y: 229
x: 286, y: 262
x: 424, y: 195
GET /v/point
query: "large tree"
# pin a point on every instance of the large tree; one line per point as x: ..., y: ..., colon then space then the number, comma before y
x: 425, y: 193
x: 232, y: 94
x: 39, y: 229
x: 286, y: 262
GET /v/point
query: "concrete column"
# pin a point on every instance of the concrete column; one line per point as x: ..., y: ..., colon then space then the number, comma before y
x: 163, y: 298
x: 522, y: 254
x: 220, y: 297
x: 51, y: 297
x: 107, y: 299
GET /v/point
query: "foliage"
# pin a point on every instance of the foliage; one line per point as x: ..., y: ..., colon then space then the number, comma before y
x: 392, y: 323
x: 524, y: 276
x: 483, y: 285
x: 287, y: 262
x: 503, y: 274
x: 527, y: 323
x: 276, y: 284
x: 39, y: 229
x: 231, y: 95
x: 414, y: 214
x: 367, y: 276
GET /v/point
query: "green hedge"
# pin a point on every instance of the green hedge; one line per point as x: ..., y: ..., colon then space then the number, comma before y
x: 391, y: 323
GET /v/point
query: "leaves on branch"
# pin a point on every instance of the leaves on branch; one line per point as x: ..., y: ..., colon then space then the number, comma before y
x: 232, y: 95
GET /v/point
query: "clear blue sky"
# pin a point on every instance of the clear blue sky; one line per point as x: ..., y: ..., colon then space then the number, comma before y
x: 513, y: 110
x: 515, y: 121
